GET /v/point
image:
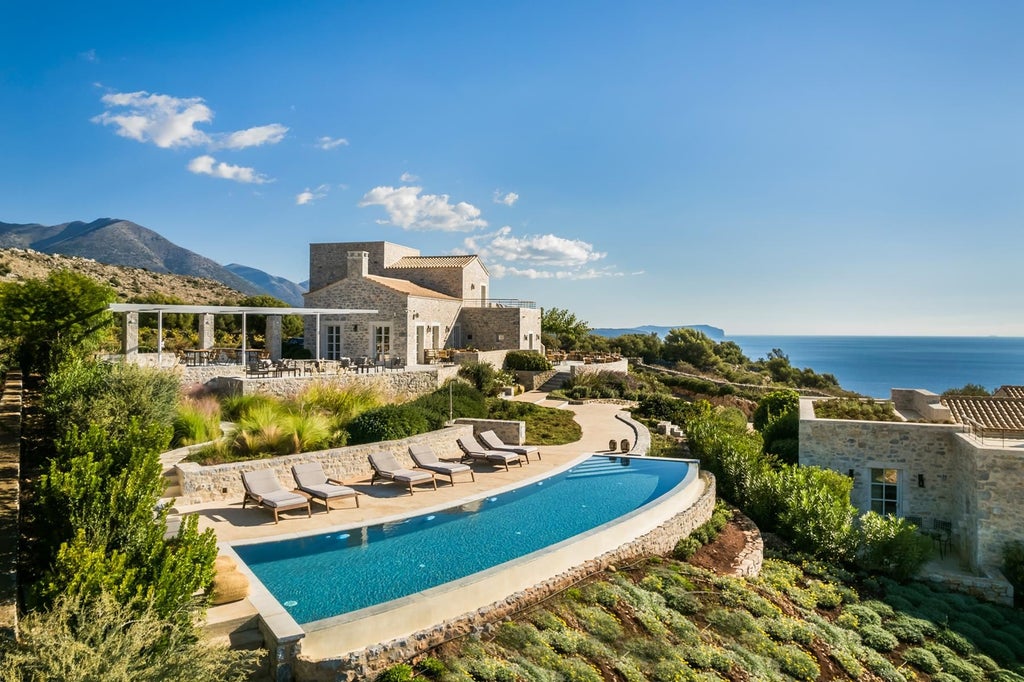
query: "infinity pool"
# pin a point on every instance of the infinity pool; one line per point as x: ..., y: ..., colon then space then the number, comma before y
x: 322, y: 576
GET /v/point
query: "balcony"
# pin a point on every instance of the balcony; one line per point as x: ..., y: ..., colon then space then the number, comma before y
x: 498, y: 303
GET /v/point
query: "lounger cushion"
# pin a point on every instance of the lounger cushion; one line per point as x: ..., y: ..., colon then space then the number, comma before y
x: 309, y: 474
x: 328, y: 490
x: 281, y: 498
x: 425, y: 458
x: 409, y: 476
x: 491, y: 440
x: 261, y: 482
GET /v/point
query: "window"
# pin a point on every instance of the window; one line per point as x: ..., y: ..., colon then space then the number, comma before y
x: 333, y: 342
x: 885, y: 491
x: 382, y: 341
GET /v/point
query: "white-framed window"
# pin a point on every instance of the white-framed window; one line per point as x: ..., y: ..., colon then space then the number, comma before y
x: 885, y: 491
x: 382, y: 340
x: 333, y: 350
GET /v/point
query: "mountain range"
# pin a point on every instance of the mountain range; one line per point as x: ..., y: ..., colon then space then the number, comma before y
x: 121, y: 242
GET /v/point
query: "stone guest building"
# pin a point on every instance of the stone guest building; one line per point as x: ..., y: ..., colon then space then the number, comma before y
x: 956, y: 461
x: 423, y: 303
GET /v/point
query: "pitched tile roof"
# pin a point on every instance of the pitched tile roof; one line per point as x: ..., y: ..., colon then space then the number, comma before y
x: 1010, y: 391
x: 431, y: 262
x: 991, y: 412
x: 407, y: 287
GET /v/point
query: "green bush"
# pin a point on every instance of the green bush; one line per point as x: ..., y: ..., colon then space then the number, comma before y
x: 389, y: 422
x: 878, y: 638
x: 401, y: 672
x: 197, y: 421
x: 891, y: 546
x: 85, y: 639
x: 466, y: 401
x: 482, y: 375
x: 922, y: 659
x: 527, y: 361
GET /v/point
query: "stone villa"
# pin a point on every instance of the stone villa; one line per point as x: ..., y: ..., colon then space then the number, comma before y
x: 956, y: 461
x: 424, y: 304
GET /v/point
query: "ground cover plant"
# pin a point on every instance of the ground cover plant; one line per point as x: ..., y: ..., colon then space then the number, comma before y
x: 608, y: 385
x: 665, y: 620
x: 853, y: 408
x: 544, y: 425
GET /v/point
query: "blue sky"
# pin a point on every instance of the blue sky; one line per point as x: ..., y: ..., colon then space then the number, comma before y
x: 763, y: 167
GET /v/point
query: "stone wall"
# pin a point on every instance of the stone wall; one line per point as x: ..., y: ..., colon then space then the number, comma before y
x: 500, y: 328
x: 944, y: 474
x: 368, y: 663
x: 390, y: 385
x: 223, y: 482
x: 913, y: 449
x: 510, y: 432
x: 749, y: 561
x: 621, y: 366
x: 10, y: 487
x: 641, y: 434
x: 494, y: 357
x: 532, y: 380
x: 328, y: 262
x: 920, y: 403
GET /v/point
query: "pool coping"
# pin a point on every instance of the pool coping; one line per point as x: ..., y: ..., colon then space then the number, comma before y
x: 329, y: 640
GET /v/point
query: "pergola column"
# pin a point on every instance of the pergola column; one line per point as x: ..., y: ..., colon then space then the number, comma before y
x: 273, y: 338
x: 206, y: 330
x: 130, y: 335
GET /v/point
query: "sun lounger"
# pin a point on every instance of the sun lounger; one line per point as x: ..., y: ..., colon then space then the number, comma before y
x: 492, y: 442
x: 425, y: 458
x: 471, y: 450
x: 387, y: 468
x: 312, y: 480
x: 263, y: 489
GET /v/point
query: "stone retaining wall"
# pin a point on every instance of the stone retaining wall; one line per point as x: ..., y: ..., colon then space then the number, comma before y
x: 992, y: 586
x: 368, y: 663
x: 621, y: 366
x: 641, y: 434
x: 10, y: 473
x: 532, y: 380
x: 391, y: 386
x: 224, y: 481
x: 749, y: 561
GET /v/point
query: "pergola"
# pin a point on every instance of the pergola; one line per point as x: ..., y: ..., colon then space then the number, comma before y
x: 206, y: 313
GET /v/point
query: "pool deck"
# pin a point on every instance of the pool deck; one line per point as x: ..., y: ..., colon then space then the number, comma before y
x: 233, y: 524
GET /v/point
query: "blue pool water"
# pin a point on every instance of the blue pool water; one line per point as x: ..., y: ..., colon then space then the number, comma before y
x: 321, y: 576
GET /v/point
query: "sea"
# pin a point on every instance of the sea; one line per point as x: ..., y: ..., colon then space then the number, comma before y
x: 872, y: 365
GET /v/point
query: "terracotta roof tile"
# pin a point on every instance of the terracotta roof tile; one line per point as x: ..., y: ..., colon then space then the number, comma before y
x: 407, y: 287
x: 407, y: 262
x: 1010, y: 391
x: 991, y: 412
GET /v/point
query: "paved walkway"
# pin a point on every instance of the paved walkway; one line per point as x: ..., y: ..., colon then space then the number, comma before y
x: 231, y: 522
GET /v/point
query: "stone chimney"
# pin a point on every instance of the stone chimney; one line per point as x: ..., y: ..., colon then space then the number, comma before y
x: 358, y: 264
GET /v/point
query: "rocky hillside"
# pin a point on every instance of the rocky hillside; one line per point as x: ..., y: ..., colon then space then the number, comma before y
x: 19, y: 264
x: 120, y: 242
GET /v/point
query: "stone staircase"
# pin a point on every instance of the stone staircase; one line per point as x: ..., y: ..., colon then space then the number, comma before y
x: 555, y: 382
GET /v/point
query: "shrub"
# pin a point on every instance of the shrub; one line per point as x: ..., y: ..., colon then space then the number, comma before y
x: 878, y: 638
x: 389, y: 422
x: 922, y: 659
x: 482, y: 375
x: 401, y: 672
x: 528, y: 361
x: 796, y: 662
x: 891, y: 545
x: 465, y: 401
x: 80, y: 640
x: 197, y: 421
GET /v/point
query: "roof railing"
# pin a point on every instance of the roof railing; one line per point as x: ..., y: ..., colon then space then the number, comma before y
x: 498, y: 303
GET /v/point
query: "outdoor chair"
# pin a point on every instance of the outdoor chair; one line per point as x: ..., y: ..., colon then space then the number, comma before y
x: 264, y: 490
x: 311, y: 479
x: 492, y: 442
x: 425, y: 458
x: 471, y: 450
x: 387, y: 468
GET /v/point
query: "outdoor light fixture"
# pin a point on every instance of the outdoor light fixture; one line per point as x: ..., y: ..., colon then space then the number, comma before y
x: 850, y: 473
x: 920, y: 480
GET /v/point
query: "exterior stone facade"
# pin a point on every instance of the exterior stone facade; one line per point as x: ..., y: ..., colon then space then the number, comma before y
x: 425, y: 303
x: 943, y: 474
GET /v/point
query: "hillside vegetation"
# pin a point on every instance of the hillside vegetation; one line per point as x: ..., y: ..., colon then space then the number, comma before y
x: 22, y: 264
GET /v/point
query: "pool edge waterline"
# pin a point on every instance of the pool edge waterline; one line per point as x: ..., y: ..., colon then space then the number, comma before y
x: 335, y: 636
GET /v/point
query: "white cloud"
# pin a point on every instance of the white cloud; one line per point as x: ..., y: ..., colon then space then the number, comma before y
x: 161, y: 119
x: 410, y: 210
x: 89, y: 56
x: 207, y: 165
x: 311, y: 195
x: 327, y: 142
x: 253, y: 137
x: 508, y: 199
x: 544, y: 256
x: 409, y: 177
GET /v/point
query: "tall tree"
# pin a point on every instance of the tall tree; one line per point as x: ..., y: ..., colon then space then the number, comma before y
x: 42, y: 320
x: 568, y: 329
